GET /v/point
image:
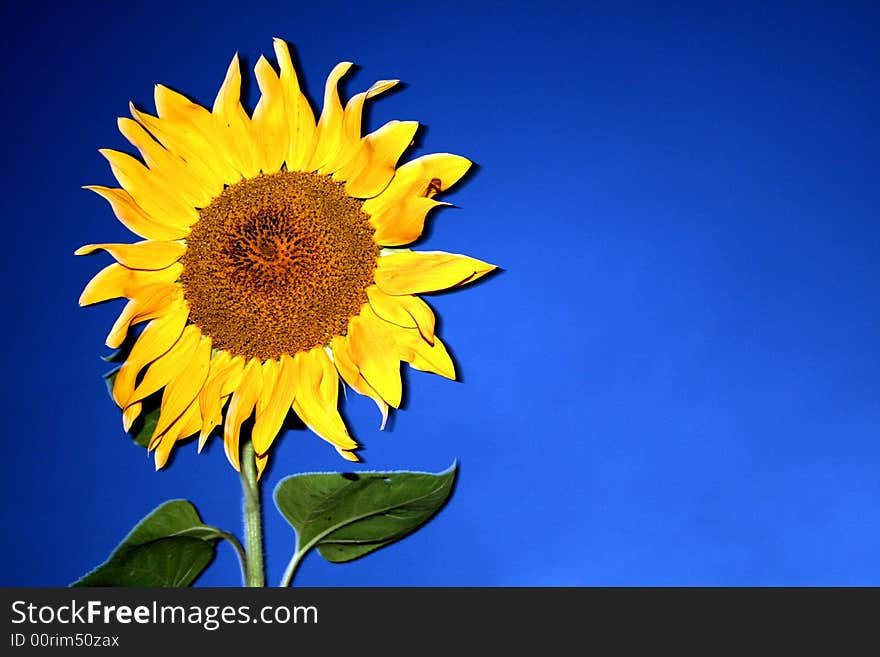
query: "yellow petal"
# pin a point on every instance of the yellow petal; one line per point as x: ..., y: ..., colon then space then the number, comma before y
x: 423, y: 315
x: 398, y: 213
x: 176, y: 177
x: 174, y: 106
x: 190, y: 144
x: 300, y: 117
x: 183, y: 427
x: 373, y: 350
x: 372, y: 167
x: 269, y: 374
x: 351, y: 126
x: 157, y: 338
x: 189, y: 421
x: 403, y: 223
x: 200, y: 126
x: 316, y: 401
x: 168, y: 366
x: 328, y: 133
x: 351, y: 375
x: 425, y: 176
x: 135, y: 218
x: 183, y: 389
x: 431, y: 357
x: 412, y: 346
x: 329, y: 386
x: 150, y: 303
x: 411, y: 272
x: 233, y: 125
x: 223, y: 377
x: 427, y: 357
x: 261, y: 461
x: 404, y: 310
x: 240, y: 407
x: 149, y: 191
x: 148, y: 254
x: 347, y: 455
x: 276, y: 399
x: 386, y: 307
x: 269, y: 123
x: 130, y: 414
x: 115, y: 281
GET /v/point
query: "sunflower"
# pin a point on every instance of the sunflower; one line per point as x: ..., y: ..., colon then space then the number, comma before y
x: 270, y: 266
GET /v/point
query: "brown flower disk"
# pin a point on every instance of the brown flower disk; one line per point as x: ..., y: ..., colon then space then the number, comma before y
x: 278, y: 264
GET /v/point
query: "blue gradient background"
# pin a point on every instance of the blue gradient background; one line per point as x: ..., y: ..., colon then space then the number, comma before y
x: 676, y: 379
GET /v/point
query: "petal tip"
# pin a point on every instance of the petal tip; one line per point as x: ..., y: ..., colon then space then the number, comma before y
x: 349, y: 455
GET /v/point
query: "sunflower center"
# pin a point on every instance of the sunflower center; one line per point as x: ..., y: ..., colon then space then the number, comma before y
x: 278, y: 264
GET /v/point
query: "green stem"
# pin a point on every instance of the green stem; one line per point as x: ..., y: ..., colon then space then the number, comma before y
x: 292, y: 566
x: 239, y: 550
x: 253, y: 524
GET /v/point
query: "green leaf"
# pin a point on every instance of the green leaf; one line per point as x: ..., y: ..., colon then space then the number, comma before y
x: 349, y: 515
x: 170, y: 547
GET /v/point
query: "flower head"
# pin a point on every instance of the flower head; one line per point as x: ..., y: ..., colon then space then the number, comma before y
x: 265, y: 273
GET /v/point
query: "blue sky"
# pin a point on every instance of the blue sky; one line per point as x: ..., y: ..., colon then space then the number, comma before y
x: 674, y: 381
